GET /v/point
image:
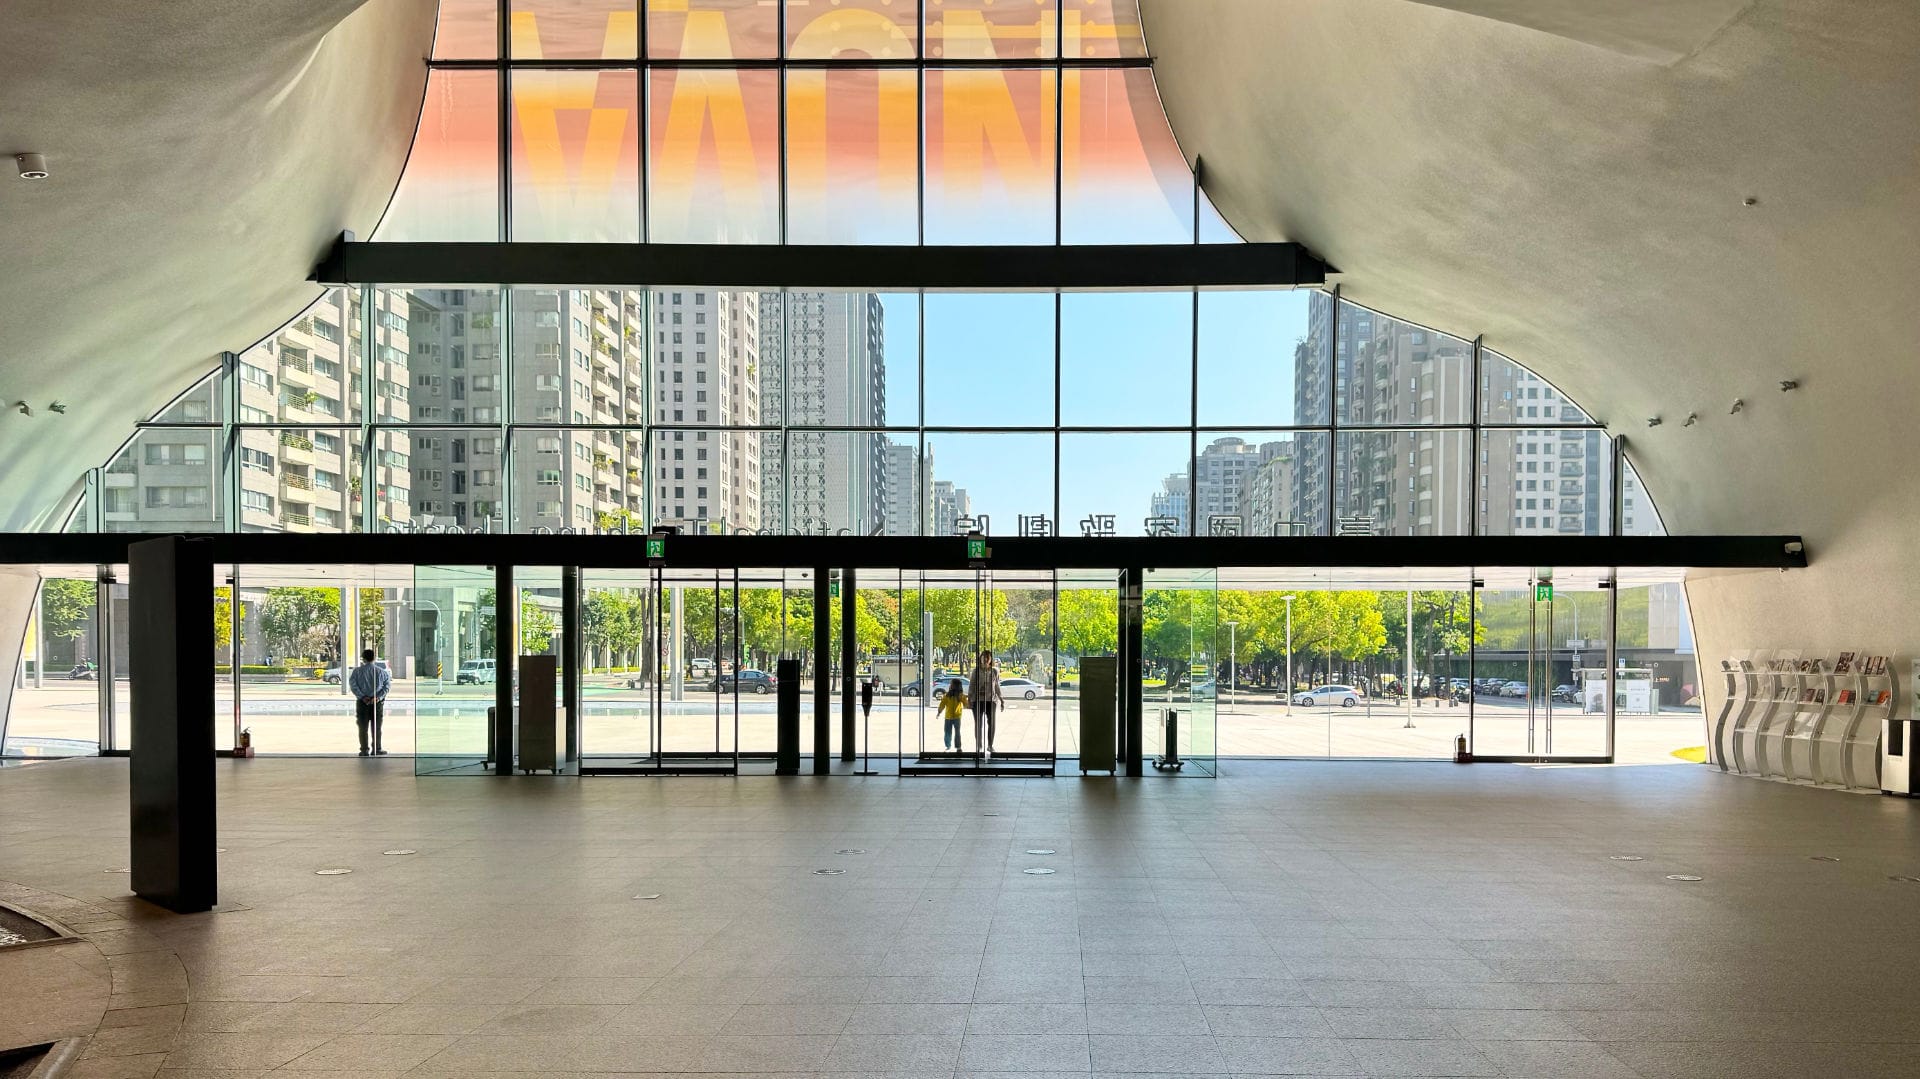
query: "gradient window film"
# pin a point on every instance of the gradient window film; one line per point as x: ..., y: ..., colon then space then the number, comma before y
x: 450, y: 189
x: 853, y: 29
x: 1102, y: 29
x: 714, y: 29
x: 991, y: 156
x: 853, y: 167
x: 467, y: 30
x: 992, y: 29
x: 573, y: 30
x: 1122, y: 177
x: 714, y: 165
x: 576, y: 156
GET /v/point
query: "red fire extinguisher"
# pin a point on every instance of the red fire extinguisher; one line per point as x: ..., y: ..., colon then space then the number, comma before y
x: 1460, y: 754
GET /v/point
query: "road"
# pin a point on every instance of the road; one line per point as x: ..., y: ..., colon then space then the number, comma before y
x: 450, y: 720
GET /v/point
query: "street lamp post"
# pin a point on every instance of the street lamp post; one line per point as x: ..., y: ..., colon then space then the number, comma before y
x: 1233, y: 659
x: 1288, y: 600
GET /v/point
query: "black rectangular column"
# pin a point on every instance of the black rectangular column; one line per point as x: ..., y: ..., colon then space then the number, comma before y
x: 822, y: 677
x: 1132, y: 626
x: 571, y: 650
x: 849, y: 664
x: 786, y: 725
x: 170, y: 775
x: 506, y: 650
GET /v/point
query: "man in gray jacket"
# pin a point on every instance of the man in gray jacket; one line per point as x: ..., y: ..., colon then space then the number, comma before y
x: 370, y: 683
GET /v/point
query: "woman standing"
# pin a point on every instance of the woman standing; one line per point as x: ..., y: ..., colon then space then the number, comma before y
x: 984, y: 696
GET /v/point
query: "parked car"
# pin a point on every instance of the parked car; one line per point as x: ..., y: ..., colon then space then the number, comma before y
x: 746, y: 681
x: 1344, y: 696
x: 1024, y: 688
x: 912, y: 689
x: 1202, y: 690
x: 1566, y: 693
x: 475, y: 672
x: 1513, y: 689
x: 700, y: 666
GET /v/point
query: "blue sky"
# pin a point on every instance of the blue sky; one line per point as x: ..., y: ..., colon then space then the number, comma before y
x: 1125, y: 361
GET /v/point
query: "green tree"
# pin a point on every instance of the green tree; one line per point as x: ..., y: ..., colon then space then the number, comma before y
x: 66, y: 608
x: 373, y: 619
x: 1089, y: 621
x: 299, y: 622
x: 223, y: 616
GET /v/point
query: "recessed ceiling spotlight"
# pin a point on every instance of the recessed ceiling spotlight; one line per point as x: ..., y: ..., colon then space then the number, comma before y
x: 58, y: 406
x: 1692, y: 418
x: 1738, y: 404
x: 1749, y: 201
x: 32, y: 166
x: 1653, y: 421
x: 23, y: 408
x: 1788, y: 384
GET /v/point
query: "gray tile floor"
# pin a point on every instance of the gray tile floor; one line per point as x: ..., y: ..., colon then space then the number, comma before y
x: 1321, y: 918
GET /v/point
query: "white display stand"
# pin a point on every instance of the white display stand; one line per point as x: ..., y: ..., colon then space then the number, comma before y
x: 1816, y: 696
x: 1847, y: 748
x: 1776, y: 696
x: 1743, y: 696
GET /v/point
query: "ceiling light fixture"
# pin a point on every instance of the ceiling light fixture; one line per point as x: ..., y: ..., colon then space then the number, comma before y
x: 32, y: 166
x: 58, y: 406
x: 1738, y: 404
x: 23, y: 408
x: 1788, y: 384
x: 1653, y: 421
x: 1749, y: 201
x: 1692, y: 418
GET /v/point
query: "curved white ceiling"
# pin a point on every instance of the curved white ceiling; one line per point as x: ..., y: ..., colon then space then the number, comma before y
x: 203, y: 154
x: 1584, y: 208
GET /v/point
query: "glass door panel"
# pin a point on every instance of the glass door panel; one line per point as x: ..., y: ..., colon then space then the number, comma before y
x: 1541, y: 637
x: 773, y: 618
x: 616, y: 671
x: 887, y: 662
x: 1181, y: 665
x: 1023, y: 641
x: 1087, y: 623
x: 452, y: 612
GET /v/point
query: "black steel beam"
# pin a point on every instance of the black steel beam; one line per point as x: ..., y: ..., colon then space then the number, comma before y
x: 170, y: 775
x: 892, y: 269
x: 506, y: 651
x: 1133, y: 666
x: 934, y: 552
x: 822, y: 675
x: 849, y: 664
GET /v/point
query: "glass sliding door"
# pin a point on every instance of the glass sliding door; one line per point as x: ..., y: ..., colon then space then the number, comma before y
x: 953, y: 616
x: 617, y: 673
x: 456, y: 652
x: 1181, y: 670
x: 1541, y: 684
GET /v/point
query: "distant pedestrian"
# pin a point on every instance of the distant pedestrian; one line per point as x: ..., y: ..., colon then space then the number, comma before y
x: 370, y: 682
x: 983, y: 693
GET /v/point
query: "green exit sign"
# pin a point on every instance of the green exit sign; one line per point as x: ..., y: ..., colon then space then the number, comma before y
x: 1543, y: 592
x: 656, y: 547
x: 833, y: 589
x: 976, y: 548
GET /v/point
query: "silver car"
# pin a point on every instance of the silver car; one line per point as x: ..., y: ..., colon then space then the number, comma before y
x: 1344, y: 696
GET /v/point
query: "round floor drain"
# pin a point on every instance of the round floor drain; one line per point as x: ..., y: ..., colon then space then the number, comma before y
x: 852, y: 850
x: 331, y: 872
x: 1682, y: 876
x: 1625, y: 858
x: 1037, y: 871
x: 1824, y: 858
x: 648, y: 895
x: 402, y: 851
x: 828, y: 872
x: 1041, y: 850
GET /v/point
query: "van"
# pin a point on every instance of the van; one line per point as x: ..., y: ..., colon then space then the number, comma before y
x: 475, y: 672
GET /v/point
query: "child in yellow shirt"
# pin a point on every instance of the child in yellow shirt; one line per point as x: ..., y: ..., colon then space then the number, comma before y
x: 951, y: 705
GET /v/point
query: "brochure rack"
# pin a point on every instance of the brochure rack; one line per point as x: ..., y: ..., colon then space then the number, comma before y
x: 1777, y: 695
x: 1846, y: 749
x: 1733, y: 695
x: 1816, y: 697
x: 1749, y: 702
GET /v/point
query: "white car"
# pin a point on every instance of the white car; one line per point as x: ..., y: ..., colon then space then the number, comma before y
x: 1514, y: 689
x: 1025, y: 688
x: 1344, y: 696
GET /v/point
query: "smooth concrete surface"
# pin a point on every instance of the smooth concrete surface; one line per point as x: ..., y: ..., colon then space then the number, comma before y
x: 1324, y: 918
x: 1588, y: 212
